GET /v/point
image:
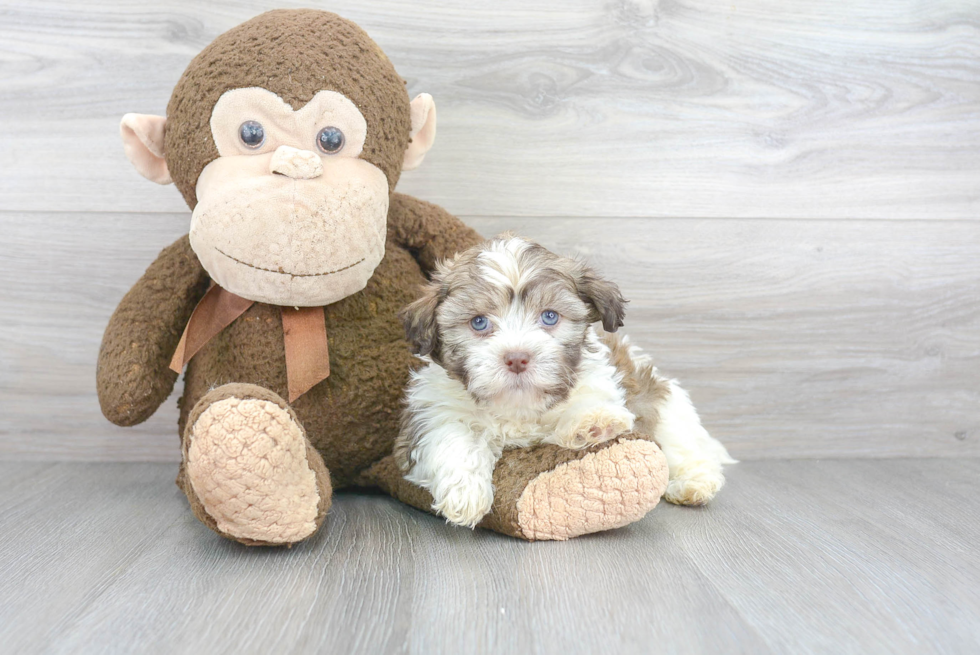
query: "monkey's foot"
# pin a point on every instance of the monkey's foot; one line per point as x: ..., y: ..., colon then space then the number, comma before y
x: 549, y: 492
x: 606, y: 488
x: 249, y: 470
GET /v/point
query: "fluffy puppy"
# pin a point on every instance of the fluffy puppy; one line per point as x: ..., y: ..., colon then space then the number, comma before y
x: 513, y: 361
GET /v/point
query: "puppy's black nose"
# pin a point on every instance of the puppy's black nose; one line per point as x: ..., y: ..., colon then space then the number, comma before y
x: 517, y: 361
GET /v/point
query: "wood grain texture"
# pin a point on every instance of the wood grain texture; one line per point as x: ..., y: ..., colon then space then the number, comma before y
x: 66, y: 534
x: 666, y: 108
x: 795, y: 338
x: 794, y: 556
x: 821, y: 522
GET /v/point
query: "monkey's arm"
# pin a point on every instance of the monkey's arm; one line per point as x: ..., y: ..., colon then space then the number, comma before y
x: 132, y: 376
x: 428, y: 230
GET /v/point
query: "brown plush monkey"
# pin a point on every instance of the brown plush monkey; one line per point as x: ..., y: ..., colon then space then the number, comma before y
x: 286, y: 136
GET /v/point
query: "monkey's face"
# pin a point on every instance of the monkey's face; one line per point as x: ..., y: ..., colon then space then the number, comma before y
x: 286, y: 136
x: 288, y: 214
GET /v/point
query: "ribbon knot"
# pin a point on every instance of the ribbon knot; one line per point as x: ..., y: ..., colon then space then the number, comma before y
x: 304, y: 337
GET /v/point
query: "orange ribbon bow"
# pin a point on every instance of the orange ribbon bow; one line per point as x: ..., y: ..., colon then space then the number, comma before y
x: 304, y: 336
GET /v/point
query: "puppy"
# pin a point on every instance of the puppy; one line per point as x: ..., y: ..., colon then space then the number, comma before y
x: 513, y: 361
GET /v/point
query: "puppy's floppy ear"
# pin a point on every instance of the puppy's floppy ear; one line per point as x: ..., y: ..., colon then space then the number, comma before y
x: 607, y: 302
x: 419, y: 320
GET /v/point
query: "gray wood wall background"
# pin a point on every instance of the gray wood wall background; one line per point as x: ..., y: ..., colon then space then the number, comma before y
x: 788, y: 192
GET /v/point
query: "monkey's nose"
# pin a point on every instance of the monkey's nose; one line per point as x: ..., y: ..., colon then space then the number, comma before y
x: 295, y: 163
x: 517, y: 361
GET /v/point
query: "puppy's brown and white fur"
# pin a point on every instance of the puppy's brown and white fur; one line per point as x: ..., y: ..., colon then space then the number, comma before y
x: 500, y: 376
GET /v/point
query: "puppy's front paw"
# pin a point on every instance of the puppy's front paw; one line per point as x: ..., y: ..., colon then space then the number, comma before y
x: 465, y: 501
x: 595, y: 427
x: 693, y: 487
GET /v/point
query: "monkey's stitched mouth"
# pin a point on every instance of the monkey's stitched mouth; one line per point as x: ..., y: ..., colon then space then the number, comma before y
x: 282, y: 272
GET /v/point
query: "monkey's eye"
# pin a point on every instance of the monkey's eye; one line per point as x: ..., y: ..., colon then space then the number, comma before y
x: 251, y: 134
x: 480, y: 323
x: 330, y: 140
x: 549, y: 317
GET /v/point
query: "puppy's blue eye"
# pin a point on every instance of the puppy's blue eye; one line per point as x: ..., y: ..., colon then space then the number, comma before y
x: 330, y: 140
x: 252, y: 134
x: 479, y: 323
x: 549, y: 317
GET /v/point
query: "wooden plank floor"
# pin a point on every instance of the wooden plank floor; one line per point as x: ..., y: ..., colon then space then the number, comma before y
x: 822, y: 556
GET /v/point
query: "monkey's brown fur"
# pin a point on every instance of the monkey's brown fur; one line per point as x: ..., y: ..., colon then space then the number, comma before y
x: 351, y: 418
x: 283, y: 51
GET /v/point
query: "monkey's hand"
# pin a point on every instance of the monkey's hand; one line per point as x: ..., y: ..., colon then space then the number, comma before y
x: 132, y: 375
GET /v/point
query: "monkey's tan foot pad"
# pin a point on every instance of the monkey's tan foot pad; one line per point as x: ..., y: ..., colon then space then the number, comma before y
x: 603, y: 490
x: 249, y: 463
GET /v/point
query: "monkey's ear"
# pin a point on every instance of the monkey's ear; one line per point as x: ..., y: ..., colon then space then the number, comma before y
x: 419, y: 319
x: 423, y: 131
x: 142, y: 136
x: 607, y: 302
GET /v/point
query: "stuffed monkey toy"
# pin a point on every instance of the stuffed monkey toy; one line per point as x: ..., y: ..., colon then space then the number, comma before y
x: 287, y: 136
